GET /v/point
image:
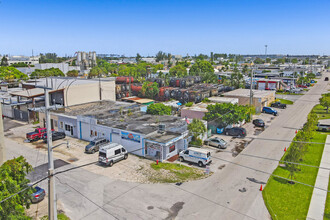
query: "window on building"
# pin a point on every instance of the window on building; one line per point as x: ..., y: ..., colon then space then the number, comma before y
x: 117, y: 151
x: 67, y: 127
x: 92, y: 132
x: 55, y: 123
x: 95, y: 133
x: 61, y: 124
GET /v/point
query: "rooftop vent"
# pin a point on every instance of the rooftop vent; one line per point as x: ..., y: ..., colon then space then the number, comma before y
x: 161, y: 128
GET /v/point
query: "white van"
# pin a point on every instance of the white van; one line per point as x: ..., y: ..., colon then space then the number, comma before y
x: 196, y: 155
x: 112, y: 153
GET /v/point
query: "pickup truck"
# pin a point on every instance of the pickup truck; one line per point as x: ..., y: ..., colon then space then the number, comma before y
x: 37, y: 134
x: 278, y: 105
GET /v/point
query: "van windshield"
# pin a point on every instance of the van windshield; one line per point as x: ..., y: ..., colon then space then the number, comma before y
x: 208, y: 154
x: 101, y: 154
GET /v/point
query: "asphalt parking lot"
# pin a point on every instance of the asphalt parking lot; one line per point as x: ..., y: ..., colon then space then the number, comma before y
x: 221, y: 157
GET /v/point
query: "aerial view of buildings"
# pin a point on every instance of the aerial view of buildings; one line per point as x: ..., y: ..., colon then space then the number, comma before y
x: 164, y: 110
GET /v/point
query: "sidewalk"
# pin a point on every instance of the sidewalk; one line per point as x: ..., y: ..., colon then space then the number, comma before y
x: 317, y: 205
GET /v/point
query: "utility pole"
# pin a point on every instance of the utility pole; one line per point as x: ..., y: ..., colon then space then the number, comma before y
x: 52, y: 208
x: 251, y: 92
x: 2, y: 142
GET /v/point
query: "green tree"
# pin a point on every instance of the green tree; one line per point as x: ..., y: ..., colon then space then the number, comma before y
x: 150, y: 90
x: 95, y: 72
x: 294, y: 61
x: 4, y: 61
x: 245, y: 69
x: 268, y: 60
x: 159, y: 109
x: 178, y: 71
x: 12, y: 180
x: 138, y: 58
x: 209, y: 78
x: 325, y: 101
x: 227, y: 113
x: 72, y: 73
x: 160, y: 56
x: 46, y: 73
x: 9, y: 73
x: 196, y: 128
x: 237, y: 79
x: 259, y: 61
x: 200, y: 67
x: 183, y: 63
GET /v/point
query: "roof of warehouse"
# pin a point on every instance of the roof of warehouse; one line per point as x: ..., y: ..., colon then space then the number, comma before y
x: 246, y: 93
x: 31, y: 93
x: 63, y: 82
x: 98, y: 109
x: 142, y: 123
x: 163, y: 137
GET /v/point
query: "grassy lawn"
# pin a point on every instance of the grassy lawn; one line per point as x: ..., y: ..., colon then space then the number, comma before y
x: 321, y: 112
x: 284, y: 101
x: 327, y: 205
x: 60, y: 216
x: 291, y: 201
x: 288, y: 93
x: 172, y: 173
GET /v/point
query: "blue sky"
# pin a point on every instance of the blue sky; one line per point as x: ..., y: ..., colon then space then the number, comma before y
x: 175, y: 26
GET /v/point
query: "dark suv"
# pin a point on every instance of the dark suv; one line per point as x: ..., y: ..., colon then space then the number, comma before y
x: 237, y: 132
x: 94, y: 145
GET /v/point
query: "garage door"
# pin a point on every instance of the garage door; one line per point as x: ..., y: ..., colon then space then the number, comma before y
x: 272, y: 86
x: 261, y: 86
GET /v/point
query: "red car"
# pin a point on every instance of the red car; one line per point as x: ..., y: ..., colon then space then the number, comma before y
x: 302, y: 86
x: 37, y: 134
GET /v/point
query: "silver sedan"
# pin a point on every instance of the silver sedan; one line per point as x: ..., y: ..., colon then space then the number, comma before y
x: 216, y: 142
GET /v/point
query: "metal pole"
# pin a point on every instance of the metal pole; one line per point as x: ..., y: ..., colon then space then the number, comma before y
x: 2, y: 142
x: 52, y: 209
x: 251, y: 93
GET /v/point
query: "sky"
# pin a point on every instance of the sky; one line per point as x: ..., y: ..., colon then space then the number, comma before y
x: 173, y: 26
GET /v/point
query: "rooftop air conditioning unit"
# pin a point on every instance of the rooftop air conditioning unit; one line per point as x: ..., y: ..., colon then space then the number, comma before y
x: 161, y: 128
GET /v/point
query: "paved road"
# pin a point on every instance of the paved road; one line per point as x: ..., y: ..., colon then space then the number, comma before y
x: 86, y: 195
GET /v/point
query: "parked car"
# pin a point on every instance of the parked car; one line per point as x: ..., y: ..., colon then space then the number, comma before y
x: 323, y: 127
x: 37, y: 134
x: 278, y: 105
x: 196, y: 155
x: 235, y: 131
x: 217, y: 142
x: 56, y: 135
x: 302, y: 86
x: 112, y: 153
x: 38, y: 195
x: 94, y: 145
x: 326, y: 79
x: 269, y: 110
x: 258, y: 123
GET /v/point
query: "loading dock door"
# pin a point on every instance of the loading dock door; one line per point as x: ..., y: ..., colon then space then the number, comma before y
x: 261, y: 85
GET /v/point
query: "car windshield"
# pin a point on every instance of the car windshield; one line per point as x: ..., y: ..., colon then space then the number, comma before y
x: 222, y: 141
x: 92, y: 143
